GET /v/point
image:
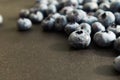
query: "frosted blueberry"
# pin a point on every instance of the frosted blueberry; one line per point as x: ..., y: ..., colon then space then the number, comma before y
x: 104, y: 38
x: 79, y: 39
x: 24, y: 24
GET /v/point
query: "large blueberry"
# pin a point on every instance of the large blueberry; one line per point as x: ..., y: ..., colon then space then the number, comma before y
x: 66, y: 10
x: 79, y: 39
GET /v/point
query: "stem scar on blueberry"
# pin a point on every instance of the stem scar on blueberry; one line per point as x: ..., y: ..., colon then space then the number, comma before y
x: 104, y: 15
x: 79, y: 32
x: 82, y: 27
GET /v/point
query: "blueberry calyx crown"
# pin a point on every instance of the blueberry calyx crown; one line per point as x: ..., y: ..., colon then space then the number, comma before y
x: 79, y: 32
x: 104, y: 15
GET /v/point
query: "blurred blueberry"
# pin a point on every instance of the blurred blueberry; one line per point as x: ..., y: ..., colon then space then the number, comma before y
x: 66, y: 10
x: 116, y: 62
x: 24, y: 13
x: 90, y: 7
x: 117, y: 18
x: 24, y: 24
x: 115, y: 29
x: 115, y: 6
x: 51, y: 9
x: 36, y: 17
x: 104, y: 6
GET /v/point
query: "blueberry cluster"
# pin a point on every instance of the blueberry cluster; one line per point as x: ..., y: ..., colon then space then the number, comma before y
x: 82, y: 20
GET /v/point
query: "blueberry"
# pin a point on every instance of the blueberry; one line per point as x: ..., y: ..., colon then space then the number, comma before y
x: 51, y: 9
x: 107, y: 18
x: 117, y: 44
x: 104, y: 6
x: 60, y: 23
x: 36, y: 17
x: 48, y: 24
x: 98, y: 12
x: 43, y: 8
x: 90, y: 19
x: 115, y: 29
x: 117, y: 18
x: 54, y: 2
x: 85, y: 26
x: 104, y: 38
x: 55, y: 15
x: 90, y: 7
x: 116, y: 63
x: 70, y: 27
x: 79, y: 39
x: 24, y: 13
x: 24, y: 24
x: 33, y: 10
x: 97, y: 26
x: 76, y: 16
x: 115, y: 6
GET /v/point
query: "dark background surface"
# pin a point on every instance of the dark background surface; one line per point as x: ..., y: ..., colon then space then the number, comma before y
x: 36, y: 55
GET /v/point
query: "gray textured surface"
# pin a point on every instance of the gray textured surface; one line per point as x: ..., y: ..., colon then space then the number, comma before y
x: 36, y: 55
